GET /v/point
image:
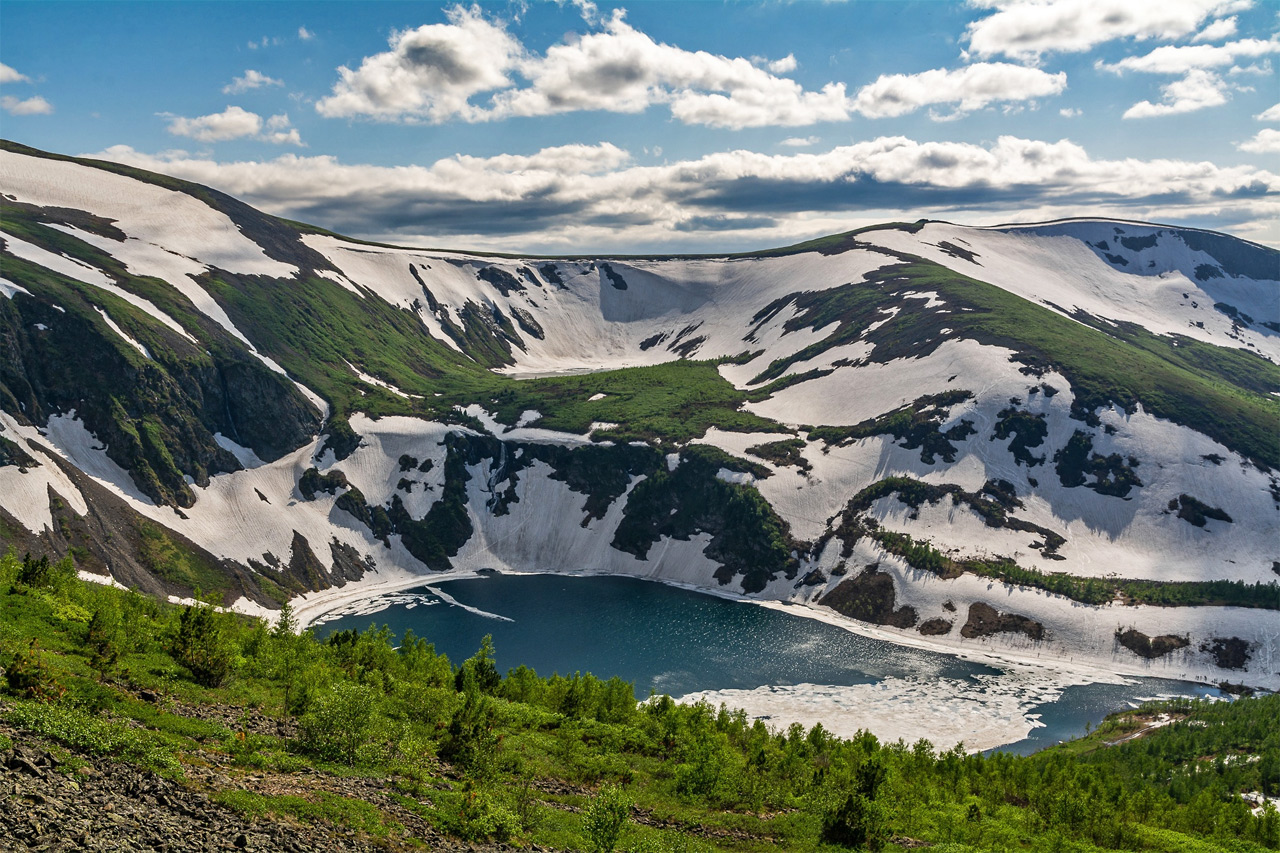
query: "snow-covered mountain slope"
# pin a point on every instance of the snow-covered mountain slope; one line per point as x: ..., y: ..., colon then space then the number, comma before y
x: 1056, y: 440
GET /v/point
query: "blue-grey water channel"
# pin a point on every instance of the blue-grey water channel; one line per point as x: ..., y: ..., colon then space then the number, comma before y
x: 676, y: 641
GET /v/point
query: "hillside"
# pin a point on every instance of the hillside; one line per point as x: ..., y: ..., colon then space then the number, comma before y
x: 1055, y: 441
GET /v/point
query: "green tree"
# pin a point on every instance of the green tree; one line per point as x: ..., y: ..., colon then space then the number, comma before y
x: 202, y: 646
x: 480, y: 668
x: 470, y: 742
x: 100, y: 640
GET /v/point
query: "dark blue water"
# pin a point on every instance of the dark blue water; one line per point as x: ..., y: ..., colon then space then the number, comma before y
x: 676, y: 641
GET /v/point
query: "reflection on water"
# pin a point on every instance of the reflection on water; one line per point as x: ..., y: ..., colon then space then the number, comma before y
x: 676, y: 641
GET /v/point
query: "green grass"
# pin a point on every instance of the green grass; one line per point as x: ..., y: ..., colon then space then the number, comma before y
x: 712, y: 779
x: 1223, y: 393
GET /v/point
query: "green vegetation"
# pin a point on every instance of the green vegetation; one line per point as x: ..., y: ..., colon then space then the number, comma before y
x: 1223, y: 393
x: 991, y: 504
x: 789, y: 452
x: 916, y: 425
x: 575, y: 762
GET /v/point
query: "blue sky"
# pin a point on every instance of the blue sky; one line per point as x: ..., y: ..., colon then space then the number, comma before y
x: 668, y: 126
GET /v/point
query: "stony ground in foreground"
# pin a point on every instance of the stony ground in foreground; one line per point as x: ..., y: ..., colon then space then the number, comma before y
x: 55, y: 800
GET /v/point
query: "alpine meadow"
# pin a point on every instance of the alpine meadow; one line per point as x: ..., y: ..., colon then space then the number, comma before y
x: 951, y: 521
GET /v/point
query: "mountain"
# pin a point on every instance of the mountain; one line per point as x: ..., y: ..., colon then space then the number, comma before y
x: 1057, y: 440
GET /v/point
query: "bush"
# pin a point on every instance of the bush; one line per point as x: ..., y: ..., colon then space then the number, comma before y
x: 339, y: 724
x: 30, y: 678
x: 41, y: 574
x: 606, y: 815
x: 858, y: 822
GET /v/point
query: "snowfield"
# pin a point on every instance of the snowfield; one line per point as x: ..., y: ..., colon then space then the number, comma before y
x: 595, y: 315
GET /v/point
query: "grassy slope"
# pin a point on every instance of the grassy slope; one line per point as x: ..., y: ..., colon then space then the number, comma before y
x: 1223, y: 393
x: 519, y: 757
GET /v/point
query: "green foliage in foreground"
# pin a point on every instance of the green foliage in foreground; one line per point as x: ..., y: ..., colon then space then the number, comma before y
x: 574, y: 762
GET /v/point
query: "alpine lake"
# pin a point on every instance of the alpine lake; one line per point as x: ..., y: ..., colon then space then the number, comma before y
x: 781, y: 666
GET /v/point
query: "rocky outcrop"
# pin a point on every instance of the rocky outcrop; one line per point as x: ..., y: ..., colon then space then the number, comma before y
x: 870, y: 597
x: 1150, y: 647
x: 985, y: 621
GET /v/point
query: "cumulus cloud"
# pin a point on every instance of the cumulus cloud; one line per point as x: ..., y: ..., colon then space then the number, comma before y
x: 1179, y: 59
x: 784, y: 65
x: 594, y: 197
x: 11, y: 75
x: 250, y: 80
x: 969, y: 88
x: 1198, y: 90
x: 1069, y: 112
x: 1266, y: 141
x: 235, y: 123
x: 1027, y: 29
x: 430, y: 73
x: 621, y: 69
x: 305, y: 34
x: 800, y: 141
x: 231, y: 123
x: 1219, y: 29
x: 32, y: 106
x: 433, y: 74
x: 1269, y: 114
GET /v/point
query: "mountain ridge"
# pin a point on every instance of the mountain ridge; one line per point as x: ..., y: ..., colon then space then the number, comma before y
x: 1155, y: 449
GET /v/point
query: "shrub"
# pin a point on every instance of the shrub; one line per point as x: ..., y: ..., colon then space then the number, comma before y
x: 339, y: 724
x: 29, y: 677
x: 605, y: 818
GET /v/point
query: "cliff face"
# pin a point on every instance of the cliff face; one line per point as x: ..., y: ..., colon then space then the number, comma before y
x: 1059, y: 432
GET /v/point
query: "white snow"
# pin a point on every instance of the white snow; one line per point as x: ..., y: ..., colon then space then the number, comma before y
x: 1052, y: 265
x: 373, y: 380
x: 168, y: 218
x: 987, y: 712
x: 9, y: 289
x: 244, y: 455
x: 121, y: 332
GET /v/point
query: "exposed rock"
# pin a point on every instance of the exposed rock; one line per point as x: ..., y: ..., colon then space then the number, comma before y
x: 935, y: 627
x: 986, y: 621
x: 1150, y: 647
x: 1228, y: 652
x: 870, y: 597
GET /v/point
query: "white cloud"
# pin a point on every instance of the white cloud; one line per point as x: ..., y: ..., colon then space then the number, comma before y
x: 433, y: 72
x: 1266, y: 141
x: 1070, y: 112
x: 30, y: 107
x: 231, y: 123
x: 620, y: 69
x: 1219, y: 29
x: 1269, y: 114
x: 250, y: 80
x: 11, y: 75
x: 279, y: 132
x: 784, y: 65
x: 969, y: 88
x: 430, y: 72
x: 1027, y: 29
x: 1179, y: 59
x: 236, y: 123
x: 594, y: 197
x: 800, y: 141
x: 305, y: 34
x: 1198, y: 90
